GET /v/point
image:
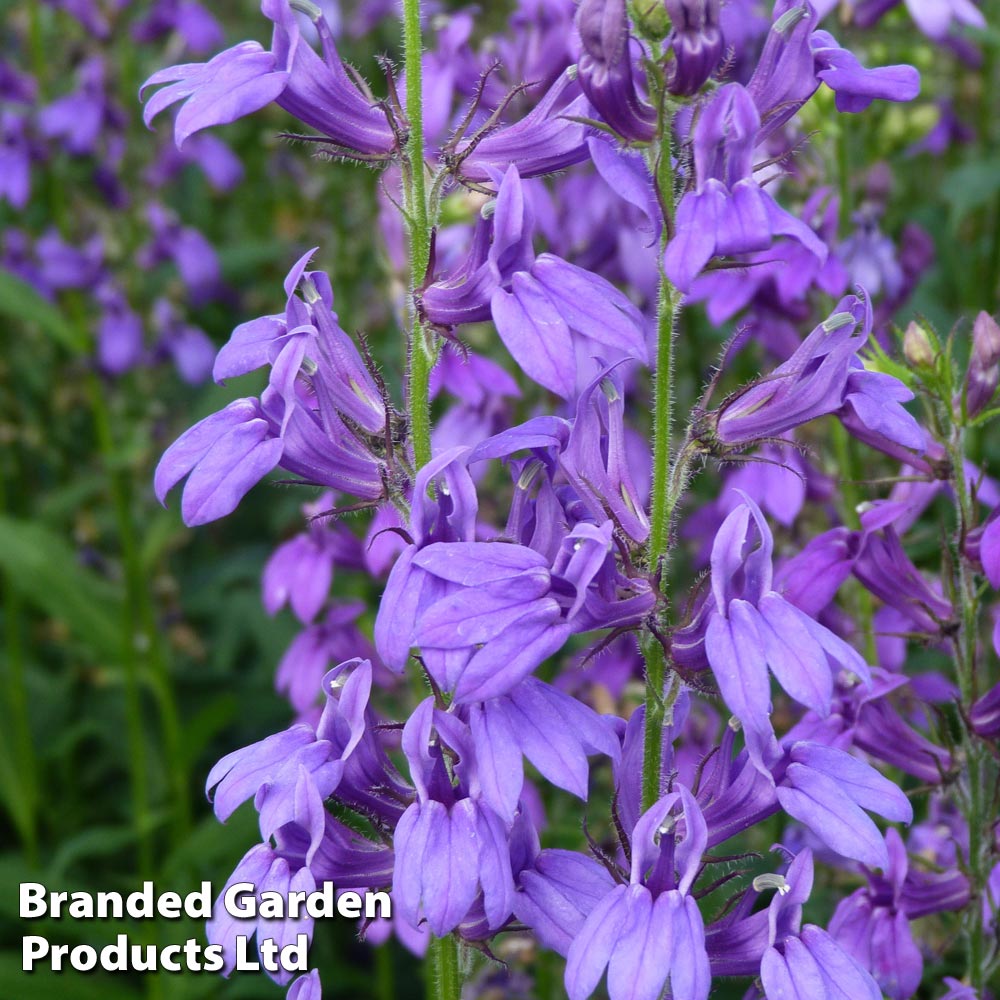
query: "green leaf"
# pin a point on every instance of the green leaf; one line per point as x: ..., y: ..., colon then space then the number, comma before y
x: 45, y: 569
x: 969, y: 187
x: 21, y: 303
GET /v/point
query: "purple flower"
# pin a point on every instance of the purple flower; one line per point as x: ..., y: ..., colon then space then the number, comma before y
x: 266, y: 872
x: 307, y: 987
x: 188, y: 346
x: 81, y: 118
x: 223, y: 456
x: 503, y: 609
x: 985, y: 714
x: 545, y: 140
x: 752, y: 630
x: 190, y: 251
x: 873, y: 928
x: 309, y: 329
x: 450, y: 846
x: 824, y: 375
x: 290, y: 774
x: 596, y: 461
x: 870, y: 257
x: 556, y: 894
x: 244, y: 79
x: 299, y: 419
x: 554, y: 731
x: 828, y: 791
x: 728, y: 212
x: 796, y: 59
x: 650, y: 929
x: 983, y: 374
x: 15, y: 158
x: 537, y: 303
x: 119, y: 332
x: 811, y: 966
x: 199, y: 29
x: 311, y: 653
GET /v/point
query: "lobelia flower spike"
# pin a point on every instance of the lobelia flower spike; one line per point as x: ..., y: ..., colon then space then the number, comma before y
x: 728, y: 212
x: 649, y: 929
x: 318, y: 91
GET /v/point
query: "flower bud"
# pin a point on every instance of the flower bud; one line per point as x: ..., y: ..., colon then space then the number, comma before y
x: 983, y: 373
x: 917, y: 347
x: 697, y: 43
x: 605, y: 69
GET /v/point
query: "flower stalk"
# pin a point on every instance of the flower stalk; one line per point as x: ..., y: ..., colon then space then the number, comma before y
x: 420, y: 225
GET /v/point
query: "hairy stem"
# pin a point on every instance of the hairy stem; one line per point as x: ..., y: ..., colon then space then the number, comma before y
x: 446, y: 979
x: 419, y: 225
x: 666, y: 476
x: 974, y: 790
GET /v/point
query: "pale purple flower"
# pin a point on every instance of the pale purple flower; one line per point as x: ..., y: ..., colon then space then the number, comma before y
x: 728, y: 212
x: 267, y: 872
x: 317, y: 90
x: 537, y: 302
x: 650, y: 929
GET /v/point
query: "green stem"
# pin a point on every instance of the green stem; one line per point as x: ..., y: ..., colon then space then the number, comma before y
x: 668, y: 478
x: 445, y: 973
x: 135, y: 729
x: 23, y: 761
x: 974, y: 793
x: 420, y: 226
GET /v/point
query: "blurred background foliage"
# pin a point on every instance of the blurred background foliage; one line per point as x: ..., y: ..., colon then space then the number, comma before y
x: 136, y: 652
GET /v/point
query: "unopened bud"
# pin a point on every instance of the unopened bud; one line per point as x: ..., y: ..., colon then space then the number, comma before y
x: 986, y: 340
x: 917, y: 347
x: 983, y: 375
x: 651, y: 19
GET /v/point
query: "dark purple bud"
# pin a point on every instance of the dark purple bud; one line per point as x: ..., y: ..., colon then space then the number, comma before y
x: 697, y: 43
x: 605, y: 69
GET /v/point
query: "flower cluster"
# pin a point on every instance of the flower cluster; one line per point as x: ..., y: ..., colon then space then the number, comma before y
x: 528, y: 541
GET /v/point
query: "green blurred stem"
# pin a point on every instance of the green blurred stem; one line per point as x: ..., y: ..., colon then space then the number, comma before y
x: 446, y: 979
x: 420, y: 225
x: 135, y: 729
x: 24, y: 770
